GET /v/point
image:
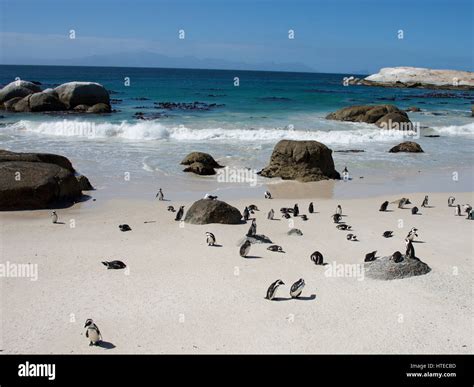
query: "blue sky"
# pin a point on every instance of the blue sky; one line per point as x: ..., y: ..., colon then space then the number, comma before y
x: 330, y: 36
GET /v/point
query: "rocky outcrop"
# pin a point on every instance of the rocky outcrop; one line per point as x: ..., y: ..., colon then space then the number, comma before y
x: 207, y: 211
x: 385, y: 268
x: 301, y: 160
x: 37, y: 102
x: 84, y: 183
x: 99, y: 108
x: 35, y: 180
x: 72, y: 94
x: 200, y: 163
x: 407, y: 146
x: 18, y: 89
x: 417, y: 77
x: 384, y: 116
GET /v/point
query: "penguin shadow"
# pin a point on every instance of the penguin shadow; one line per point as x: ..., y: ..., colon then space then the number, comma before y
x: 253, y: 257
x: 300, y: 298
x: 429, y: 206
x: 59, y: 223
x: 105, y: 345
x: 215, y: 245
x: 388, y: 211
x: 418, y: 242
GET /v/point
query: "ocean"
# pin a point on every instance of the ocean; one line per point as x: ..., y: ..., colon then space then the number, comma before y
x: 238, y: 118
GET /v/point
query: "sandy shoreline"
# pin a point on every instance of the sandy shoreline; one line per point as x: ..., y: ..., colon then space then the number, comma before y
x: 181, y: 296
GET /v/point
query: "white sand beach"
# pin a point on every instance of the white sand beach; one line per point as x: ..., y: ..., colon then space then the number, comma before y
x: 180, y: 296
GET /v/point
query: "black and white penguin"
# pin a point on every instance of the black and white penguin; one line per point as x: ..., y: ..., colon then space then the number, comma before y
x: 253, y: 207
x: 170, y: 209
x: 275, y: 248
x: 297, y: 288
x: 470, y: 216
x: 180, y: 213
x: 344, y: 227
x: 425, y: 202
x: 304, y: 217
x: 246, y: 214
x: 401, y: 202
x: 210, y: 239
x: 317, y: 258
x: 451, y: 200
x: 387, y: 234
x: 384, y: 206
x: 397, y: 257
x: 370, y: 256
x: 253, y: 228
x: 466, y: 208
x: 336, y: 218
x: 114, y: 264
x: 271, y: 291
x: 268, y: 195
x: 210, y: 197
x: 296, y: 210
x: 124, y: 227
x: 54, y: 217
x: 160, y: 195
x: 311, y: 208
x: 339, y: 209
x: 457, y: 210
x: 271, y: 214
x: 414, y: 210
x: 245, y: 248
x: 92, y: 332
x: 286, y: 215
x: 345, y: 171
x: 412, y: 234
x: 410, y: 251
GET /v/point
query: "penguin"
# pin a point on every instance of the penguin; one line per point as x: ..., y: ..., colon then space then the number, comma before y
x: 451, y: 200
x: 92, y: 332
x: 317, y: 258
x: 414, y: 210
x: 253, y: 207
x: 253, y: 228
x: 210, y: 197
x: 397, y: 257
x: 466, y: 208
x: 286, y: 215
x: 345, y: 171
x: 344, y: 227
x: 470, y: 216
x: 336, y: 218
x: 54, y: 217
x: 114, y: 264
x: 271, y: 291
x: 170, y: 209
x: 304, y: 217
x: 295, y: 231
x: 271, y: 214
x: 296, y: 210
x: 387, y: 234
x: 285, y: 210
x: 339, y: 209
x: 311, y: 208
x: 246, y: 214
x: 351, y: 237
x: 425, y: 202
x: 124, y: 227
x: 268, y: 195
x: 275, y: 248
x: 369, y: 257
x: 297, y: 288
x: 384, y: 206
x: 412, y: 234
x: 245, y: 248
x: 401, y: 202
x: 410, y: 251
x: 210, y: 239
x: 180, y: 213
x: 457, y: 211
x: 160, y: 195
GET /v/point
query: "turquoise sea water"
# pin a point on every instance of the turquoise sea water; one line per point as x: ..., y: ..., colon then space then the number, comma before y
x: 242, y: 127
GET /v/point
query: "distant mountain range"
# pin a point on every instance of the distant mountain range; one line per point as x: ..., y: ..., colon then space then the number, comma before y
x: 150, y: 59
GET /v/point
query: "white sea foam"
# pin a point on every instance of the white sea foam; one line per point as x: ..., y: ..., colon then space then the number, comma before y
x: 456, y: 130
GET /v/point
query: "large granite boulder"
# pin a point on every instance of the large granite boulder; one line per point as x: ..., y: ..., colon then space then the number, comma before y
x: 34, y: 181
x: 369, y: 114
x: 301, y: 160
x: 72, y: 94
x: 385, y: 268
x: 394, y: 121
x: 39, y: 102
x: 207, y: 211
x: 10, y: 105
x: 98, y: 108
x: 407, y: 146
x: 200, y: 163
x: 18, y: 89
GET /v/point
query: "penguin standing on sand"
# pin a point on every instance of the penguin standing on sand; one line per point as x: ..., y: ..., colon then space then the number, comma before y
x: 246, y: 214
x: 271, y: 214
x: 210, y: 239
x: 457, y: 211
x: 180, y: 213
x: 470, y: 216
x: 253, y: 228
x: 466, y: 208
x: 317, y: 258
x: 339, y: 209
x: 414, y: 210
x: 410, y: 251
x: 425, y: 201
x: 160, y: 195
x: 336, y: 218
x: 412, y: 234
x: 296, y: 210
x: 273, y: 288
x: 451, y: 200
x: 311, y: 208
x: 384, y: 206
x: 245, y: 249
x: 54, y: 217
x: 92, y: 332
x: 297, y: 288
x: 268, y: 195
